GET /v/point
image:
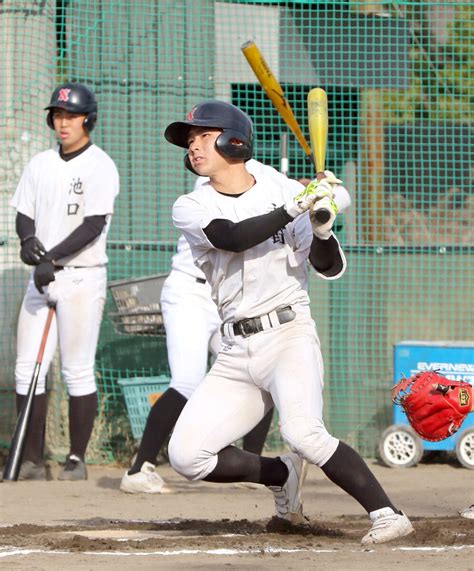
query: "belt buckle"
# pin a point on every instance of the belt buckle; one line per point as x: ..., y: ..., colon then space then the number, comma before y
x: 246, y: 327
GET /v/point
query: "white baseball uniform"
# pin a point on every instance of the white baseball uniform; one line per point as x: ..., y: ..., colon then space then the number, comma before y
x: 283, y: 362
x: 58, y: 195
x: 190, y: 316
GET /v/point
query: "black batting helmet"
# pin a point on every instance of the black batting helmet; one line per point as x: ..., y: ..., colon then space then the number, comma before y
x: 75, y: 98
x: 235, y: 124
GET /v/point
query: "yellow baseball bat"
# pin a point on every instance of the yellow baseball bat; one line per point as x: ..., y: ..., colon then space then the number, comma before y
x: 318, y: 123
x: 273, y: 90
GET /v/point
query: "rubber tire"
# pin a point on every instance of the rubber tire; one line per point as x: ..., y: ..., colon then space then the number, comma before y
x: 465, y: 448
x: 410, y: 447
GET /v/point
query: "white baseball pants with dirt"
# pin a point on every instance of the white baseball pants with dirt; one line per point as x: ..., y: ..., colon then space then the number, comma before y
x: 192, y: 329
x: 79, y: 294
x: 281, y: 365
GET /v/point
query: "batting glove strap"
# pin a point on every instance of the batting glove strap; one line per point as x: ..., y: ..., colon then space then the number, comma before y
x: 314, y: 191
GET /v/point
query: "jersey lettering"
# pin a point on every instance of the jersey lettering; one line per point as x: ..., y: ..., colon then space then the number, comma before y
x: 72, y: 209
x: 279, y: 237
x: 74, y: 188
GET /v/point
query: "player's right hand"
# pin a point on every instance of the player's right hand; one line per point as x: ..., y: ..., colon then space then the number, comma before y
x: 31, y: 251
x: 44, y: 274
x: 314, y: 191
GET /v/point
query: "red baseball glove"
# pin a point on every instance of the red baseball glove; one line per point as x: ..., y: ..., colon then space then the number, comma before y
x: 435, y: 406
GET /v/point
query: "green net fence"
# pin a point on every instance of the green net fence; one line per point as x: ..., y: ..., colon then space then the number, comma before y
x: 400, y: 84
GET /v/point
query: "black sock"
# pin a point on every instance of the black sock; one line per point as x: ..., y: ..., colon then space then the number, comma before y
x: 160, y: 422
x: 236, y: 465
x: 255, y: 439
x: 34, y: 445
x: 82, y: 413
x: 349, y: 471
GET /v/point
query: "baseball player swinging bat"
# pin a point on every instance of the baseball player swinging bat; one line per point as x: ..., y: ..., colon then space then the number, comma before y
x: 12, y: 466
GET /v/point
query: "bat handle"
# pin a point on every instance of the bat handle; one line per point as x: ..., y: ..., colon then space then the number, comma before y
x: 284, y: 153
x: 323, y: 214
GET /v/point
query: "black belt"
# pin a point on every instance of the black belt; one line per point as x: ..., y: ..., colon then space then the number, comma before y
x: 200, y: 280
x: 247, y: 327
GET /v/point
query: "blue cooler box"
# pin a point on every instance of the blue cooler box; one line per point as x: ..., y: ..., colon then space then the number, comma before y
x: 454, y: 360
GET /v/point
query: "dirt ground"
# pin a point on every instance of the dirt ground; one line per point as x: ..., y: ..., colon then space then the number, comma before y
x: 91, y: 524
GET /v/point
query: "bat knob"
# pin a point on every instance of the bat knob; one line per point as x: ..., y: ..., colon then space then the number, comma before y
x: 322, y: 215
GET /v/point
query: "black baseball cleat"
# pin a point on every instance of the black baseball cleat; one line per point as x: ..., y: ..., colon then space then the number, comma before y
x: 74, y: 469
x: 31, y: 471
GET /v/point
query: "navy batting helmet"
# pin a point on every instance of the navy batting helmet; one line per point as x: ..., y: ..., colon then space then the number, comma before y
x: 235, y: 124
x: 75, y: 98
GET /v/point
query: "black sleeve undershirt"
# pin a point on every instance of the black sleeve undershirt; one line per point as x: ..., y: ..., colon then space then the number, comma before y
x: 240, y: 236
x: 325, y: 257
x: 90, y: 228
x: 25, y: 226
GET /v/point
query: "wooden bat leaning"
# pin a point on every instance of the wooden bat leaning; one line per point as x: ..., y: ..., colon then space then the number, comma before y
x: 318, y: 123
x: 13, y: 464
x: 274, y: 91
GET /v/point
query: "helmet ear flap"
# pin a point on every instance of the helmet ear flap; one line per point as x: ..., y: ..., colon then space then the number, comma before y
x: 89, y: 121
x: 232, y: 151
x: 187, y: 164
x: 49, y: 119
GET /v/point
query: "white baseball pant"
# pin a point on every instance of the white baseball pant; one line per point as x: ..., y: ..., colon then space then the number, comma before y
x: 192, y: 329
x: 283, y: 364
x: 79, y: 294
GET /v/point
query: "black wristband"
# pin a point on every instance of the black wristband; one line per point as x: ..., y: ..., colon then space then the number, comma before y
x: 23, y: 240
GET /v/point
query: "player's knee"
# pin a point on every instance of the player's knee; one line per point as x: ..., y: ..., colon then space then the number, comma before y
x: 184, y: 388
x: 23, y: 375
x: 309, y: 438
x: 80, y: 381
x: 188, y: 461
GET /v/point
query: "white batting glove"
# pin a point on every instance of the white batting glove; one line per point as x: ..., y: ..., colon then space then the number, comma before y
x: 314, y: 191
x: 332, y: 178
x: 323, y: 211
x: 329, y: 209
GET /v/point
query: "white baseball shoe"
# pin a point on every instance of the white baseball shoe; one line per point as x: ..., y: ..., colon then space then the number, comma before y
x: 387, y: 525
x: 147, y: 481
x: 467, y: 512
x: 288, y: 497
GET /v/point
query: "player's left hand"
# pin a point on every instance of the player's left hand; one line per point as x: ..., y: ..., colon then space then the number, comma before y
x: 324, y: 201
x: 44, y: 274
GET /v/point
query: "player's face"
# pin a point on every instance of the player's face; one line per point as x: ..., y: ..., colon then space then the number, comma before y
x: 69, y: 130
x: 204, y: 157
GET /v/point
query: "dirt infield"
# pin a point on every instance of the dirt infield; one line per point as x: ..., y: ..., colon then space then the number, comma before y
x: 85, y: 525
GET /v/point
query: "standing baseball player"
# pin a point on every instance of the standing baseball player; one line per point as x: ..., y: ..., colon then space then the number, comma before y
x: 251, y: 236
x: 64, y: 203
